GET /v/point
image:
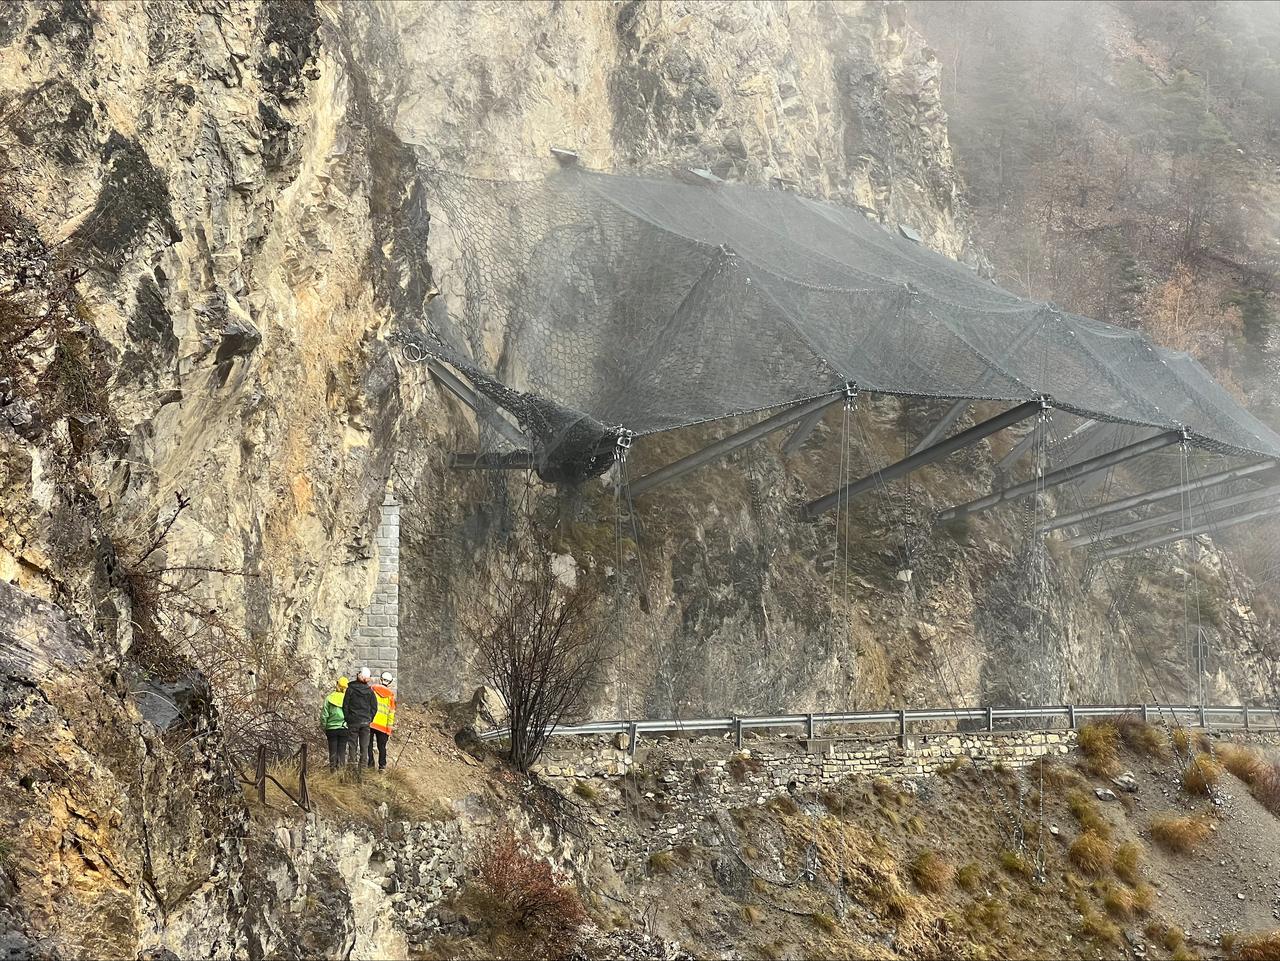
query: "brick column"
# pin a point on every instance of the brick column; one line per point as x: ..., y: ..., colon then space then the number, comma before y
x: 377, y: 639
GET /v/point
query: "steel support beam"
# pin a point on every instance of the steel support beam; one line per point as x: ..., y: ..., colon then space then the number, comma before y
x: 915, y: 461
x: 802, y: 432
x: 1063, y: 474
x: 1209, y: 527
x: 958, y: 409
x: 949, y: 417
x: 1151, y: 497
x: 731, y: 443
x: 515, y: 460
x: 1020, y: 448
x: 1172, y: 517
x: 486, y: 411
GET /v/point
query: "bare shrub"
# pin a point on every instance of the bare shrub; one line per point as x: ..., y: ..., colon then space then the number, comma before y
x: 532, y: 915
x: 542, y: 646
x: 1180, y: 834
x: 263, y: 693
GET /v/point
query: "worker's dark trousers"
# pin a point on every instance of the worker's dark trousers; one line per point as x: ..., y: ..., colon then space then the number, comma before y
x: 337, y: 747
x: 381, y: 738
x: 362, y: 742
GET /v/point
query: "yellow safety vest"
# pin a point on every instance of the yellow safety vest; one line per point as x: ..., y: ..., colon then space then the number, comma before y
x: 385, y: 719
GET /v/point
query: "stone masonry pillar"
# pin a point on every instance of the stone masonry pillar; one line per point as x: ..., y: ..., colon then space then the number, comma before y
x: 377, y: 639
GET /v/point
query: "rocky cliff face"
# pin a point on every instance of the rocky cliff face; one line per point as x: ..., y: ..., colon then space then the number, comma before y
x: 218, y: 217
x: 247, y: 192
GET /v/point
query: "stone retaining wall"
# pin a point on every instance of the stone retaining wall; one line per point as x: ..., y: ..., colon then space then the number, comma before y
x: 788, y: 762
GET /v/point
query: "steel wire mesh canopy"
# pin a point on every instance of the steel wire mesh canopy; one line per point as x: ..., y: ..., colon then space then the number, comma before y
x: 600, y: 304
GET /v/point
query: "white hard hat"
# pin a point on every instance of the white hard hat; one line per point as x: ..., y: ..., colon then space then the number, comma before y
x: 364, y: 673
x: 386, y: 676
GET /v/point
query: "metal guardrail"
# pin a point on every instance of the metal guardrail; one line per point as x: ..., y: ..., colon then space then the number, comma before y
x: 1199, y: 715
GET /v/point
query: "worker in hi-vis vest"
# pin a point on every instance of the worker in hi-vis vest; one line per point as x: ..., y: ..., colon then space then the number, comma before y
x: 385, y: 721
x: 334, y: 723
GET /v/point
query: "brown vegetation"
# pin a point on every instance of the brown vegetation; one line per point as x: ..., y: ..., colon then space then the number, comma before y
x: 931, y: 873
x: 530, y: 913
x: 1091, y: 853
x: 1201, y: 775
x: 1127, y: 862
x: 1264, y: 946
x: 1099, y: 742
x: 1179, y: 833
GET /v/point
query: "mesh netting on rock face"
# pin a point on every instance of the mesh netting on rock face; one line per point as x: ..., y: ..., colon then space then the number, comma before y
x: 597, y: 303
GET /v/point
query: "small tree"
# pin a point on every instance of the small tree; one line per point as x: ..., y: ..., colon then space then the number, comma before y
x: 542, y: 646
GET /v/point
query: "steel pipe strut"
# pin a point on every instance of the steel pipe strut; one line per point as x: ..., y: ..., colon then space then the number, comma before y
x: 1063, y: 474
x: 1150, y: 497
x: 513, y: 460
x: 922, y: 458
x: 731, y: 443
x: 1172, y: 517
x: 483, y: 409
x: 801, y: 434
x: 1208, y: 527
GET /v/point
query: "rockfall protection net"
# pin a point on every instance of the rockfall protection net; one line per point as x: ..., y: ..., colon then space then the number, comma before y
x: 601, y: 303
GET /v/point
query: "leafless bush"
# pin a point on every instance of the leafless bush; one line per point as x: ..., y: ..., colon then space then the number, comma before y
x: 542, y: 644
x: 178, y: 634
x: 533, y: 915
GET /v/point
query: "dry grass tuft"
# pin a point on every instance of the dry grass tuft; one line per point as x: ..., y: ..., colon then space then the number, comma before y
x: 1181, y: 739
x: 1201, y: 775
x: 661, y: 862
x: 1054, y: 775
x: 1123, y: 902
x: 989, y: 913
x: 751, y: 914
x: 1264, y: 946
x: 1099, y: 742
x: 1085, y: 810
x: 969, y: 877
x: 1091, y: 853
x: 826, y: 922
x: 1100, y: 928
x: 782, y: 804
x: 1128, y: 862
x: 1015, y: 863
x: 586, y: 791
x: 1178, y: 833
x: 1145, y: 738
x: 1260, y: 774
x: 931, y: 873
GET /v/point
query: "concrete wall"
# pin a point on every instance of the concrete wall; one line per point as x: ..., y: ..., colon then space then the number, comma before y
x: 376, y: 643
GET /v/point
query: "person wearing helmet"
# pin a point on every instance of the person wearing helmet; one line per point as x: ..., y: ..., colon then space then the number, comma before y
x: 335, y: 724
x: 385, y: 720
x: 360, y: 706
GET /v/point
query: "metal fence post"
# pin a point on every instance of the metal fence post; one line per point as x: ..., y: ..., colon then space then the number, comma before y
x: 1244, y: 709
x: 260, y: 774
x: 991, y: 722
x: 633, y: 734
x: 737, y: 731
x: 902, y: 729
x: 1071, y: 716
x: 1200, y: 707
x: 809, y: 725
x: 1145, y: 718
x: 304, y: 796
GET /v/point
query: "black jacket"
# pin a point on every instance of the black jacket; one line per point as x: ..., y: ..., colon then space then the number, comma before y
x: 359, y: 705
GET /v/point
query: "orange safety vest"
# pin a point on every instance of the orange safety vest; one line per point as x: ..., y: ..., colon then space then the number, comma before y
x: 385, y: 719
